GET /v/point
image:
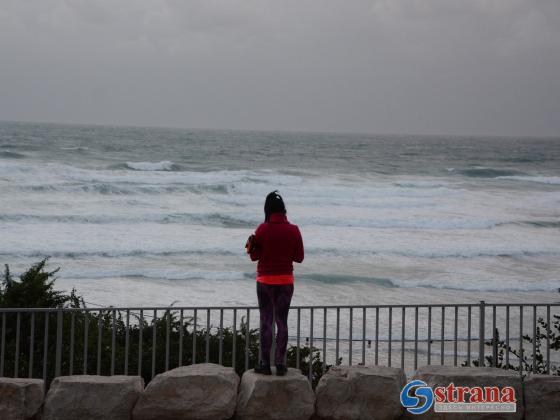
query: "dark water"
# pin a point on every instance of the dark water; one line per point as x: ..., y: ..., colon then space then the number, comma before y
x: 210, y: 150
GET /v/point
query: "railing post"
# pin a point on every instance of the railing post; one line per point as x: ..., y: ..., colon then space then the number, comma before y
x: 481, y: 320
x: 273, y: 349
x: 494, y: 338
x: 3, y: 346
x: 58, y: 354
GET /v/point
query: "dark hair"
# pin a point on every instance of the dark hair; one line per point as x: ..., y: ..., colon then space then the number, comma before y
x: 273, y: 204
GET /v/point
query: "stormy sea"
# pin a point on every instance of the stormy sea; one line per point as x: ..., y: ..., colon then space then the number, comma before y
x: 155, y: 216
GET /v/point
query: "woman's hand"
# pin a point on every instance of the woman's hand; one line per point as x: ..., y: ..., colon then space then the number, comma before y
x: 250, y: 245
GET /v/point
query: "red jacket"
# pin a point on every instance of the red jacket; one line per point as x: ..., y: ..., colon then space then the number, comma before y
x: 278, y: 243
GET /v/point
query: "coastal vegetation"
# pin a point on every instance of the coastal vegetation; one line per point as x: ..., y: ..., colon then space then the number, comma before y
x: 546, y: 341
x: 88, y: 336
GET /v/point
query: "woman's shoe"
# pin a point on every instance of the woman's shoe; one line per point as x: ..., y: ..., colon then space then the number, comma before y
x: 263, y: 369
x: 281, y: 370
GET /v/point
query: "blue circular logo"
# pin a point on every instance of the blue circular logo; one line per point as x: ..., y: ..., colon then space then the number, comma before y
x: 421, y: 399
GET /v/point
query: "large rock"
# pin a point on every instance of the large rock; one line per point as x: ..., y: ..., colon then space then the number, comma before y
x: 542, y: 397
x: 360, y: 392
x: 275, y: 397
x: 471, y: 377
x: 204, y: 391
x: 89, y: 397
x: 20, y: 399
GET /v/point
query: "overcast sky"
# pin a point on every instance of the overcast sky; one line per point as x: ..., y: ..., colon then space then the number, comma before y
x: 378, y: 66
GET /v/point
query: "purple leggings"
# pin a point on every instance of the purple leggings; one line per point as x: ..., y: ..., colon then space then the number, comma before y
x: 274, y: 299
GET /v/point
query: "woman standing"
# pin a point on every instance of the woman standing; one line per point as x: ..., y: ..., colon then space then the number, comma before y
x: 276, y: 244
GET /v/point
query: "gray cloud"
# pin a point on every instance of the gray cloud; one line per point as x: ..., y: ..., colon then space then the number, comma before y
x: 398, y: 66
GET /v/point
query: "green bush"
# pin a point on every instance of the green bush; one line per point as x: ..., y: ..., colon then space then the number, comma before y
x: 523, y: 363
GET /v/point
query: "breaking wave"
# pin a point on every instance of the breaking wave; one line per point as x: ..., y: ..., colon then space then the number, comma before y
x: 160, y: 274
x: 553, y: 180
x: 11, y: 155
x: 482, y: 172
x: 164, y: 165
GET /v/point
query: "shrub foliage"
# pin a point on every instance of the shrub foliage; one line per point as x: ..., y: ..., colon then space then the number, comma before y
x: 547, y: 337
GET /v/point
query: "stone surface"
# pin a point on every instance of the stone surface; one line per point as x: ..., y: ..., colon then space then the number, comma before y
x: 90, y: 397
x: 275, y: 397
x: 360, y: 392
x: 203, y: 391
x: 20, y: 399
x: 471, y: 376
x: 542, y: 397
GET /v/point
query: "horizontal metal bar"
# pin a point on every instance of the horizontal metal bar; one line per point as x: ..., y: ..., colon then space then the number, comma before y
x: 178, y: 308
x: 410, y: 339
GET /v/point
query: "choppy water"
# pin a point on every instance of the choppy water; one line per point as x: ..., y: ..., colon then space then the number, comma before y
x: 150, y: 216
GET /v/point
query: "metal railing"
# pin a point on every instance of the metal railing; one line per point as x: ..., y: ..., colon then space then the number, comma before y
x: 46, y: 343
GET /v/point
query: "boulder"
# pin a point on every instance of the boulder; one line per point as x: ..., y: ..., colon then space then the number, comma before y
x: 203, y: 391
x: 471, y: 377
x: 542, y: 397
x: 90, y: 397
x: 20, y: 399
x: 360, y: 392
x: 275, y: 397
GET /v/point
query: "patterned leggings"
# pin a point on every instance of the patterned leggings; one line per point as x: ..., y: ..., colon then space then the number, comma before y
x: 274, y: 299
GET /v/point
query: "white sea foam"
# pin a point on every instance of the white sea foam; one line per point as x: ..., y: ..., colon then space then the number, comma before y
x: 555, y: 180
x: 179, y: 274
x: 422, y: 184
x: 79, y: 148
x: 481, y: 285
x: 165, y: 165
x: 123, y: 239
x: 152, y: 273
x: 132, y: 223
x: 63, y: 177
x: 249, y: 221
